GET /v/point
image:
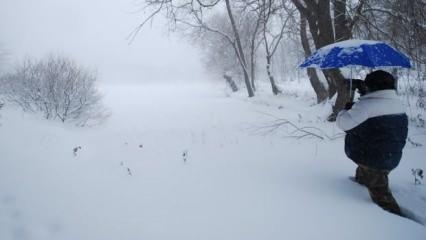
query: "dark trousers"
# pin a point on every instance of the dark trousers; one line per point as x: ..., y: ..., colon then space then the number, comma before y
x: 378, y: 186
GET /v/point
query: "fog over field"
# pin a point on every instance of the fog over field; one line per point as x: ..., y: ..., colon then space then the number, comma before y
x: 95, y: 33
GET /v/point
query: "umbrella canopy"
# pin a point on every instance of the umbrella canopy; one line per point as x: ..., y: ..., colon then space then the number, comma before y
x: 356, y: 53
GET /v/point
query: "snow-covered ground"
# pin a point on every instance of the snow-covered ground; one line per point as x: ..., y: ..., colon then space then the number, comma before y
x: 185, y: 161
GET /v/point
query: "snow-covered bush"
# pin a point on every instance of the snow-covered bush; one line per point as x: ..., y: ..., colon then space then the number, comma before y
x: 55, y: 86
x: 412, y: 86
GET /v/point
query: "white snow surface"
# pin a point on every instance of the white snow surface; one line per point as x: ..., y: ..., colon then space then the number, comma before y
x: 235, y: 183
x: 349, y: 47
x: 351, y: 43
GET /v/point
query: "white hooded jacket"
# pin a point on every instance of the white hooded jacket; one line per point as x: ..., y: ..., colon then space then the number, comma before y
x: 374, y: 104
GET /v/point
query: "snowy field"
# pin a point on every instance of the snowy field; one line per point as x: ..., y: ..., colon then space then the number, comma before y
x: 189, y: 162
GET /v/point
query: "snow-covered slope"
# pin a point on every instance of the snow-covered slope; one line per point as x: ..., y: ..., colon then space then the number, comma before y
x: 186, y: 162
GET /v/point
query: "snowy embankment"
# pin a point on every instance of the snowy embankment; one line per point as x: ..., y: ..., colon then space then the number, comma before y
x: 186, y: 162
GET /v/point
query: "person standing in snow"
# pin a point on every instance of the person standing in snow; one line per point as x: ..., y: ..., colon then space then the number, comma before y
x: 376, y: 130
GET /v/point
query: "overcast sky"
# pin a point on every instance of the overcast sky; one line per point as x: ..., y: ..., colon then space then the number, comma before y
x: 94, y: 33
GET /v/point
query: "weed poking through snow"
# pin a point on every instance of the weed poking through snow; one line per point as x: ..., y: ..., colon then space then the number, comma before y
x: 75, y: 150
x: 418, y: 174
x: 126, y: 168
x: 185, y: 156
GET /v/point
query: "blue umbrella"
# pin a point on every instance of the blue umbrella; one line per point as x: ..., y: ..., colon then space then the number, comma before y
x: 351, y: 53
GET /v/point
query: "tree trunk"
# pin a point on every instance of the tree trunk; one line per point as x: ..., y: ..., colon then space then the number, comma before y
x: 253, y: 73
x: 253, y: 49
x: 252, y: 66
x: 343, y: 31
x: 239, y: 50
x: 332, y: 88
x: 320, y: 90
x: 275, y: 89
x: 321, y: 26
x: 318, y: 87
x: 341, y: 23
x: 230, y: 82
x: 318, y: 30
x: 343, y: 95
x: 266, y: 12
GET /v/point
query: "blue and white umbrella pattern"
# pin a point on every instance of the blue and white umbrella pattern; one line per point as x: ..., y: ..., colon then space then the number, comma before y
x: 351, y: 53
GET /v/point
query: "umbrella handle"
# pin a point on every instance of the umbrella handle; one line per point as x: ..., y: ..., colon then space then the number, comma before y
x: 350, y: 87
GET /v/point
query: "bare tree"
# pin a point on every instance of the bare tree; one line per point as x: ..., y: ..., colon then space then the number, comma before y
x: 402, y: 23
x: 250, y: 31
x: 239, y: 49
x: 317, y: 85
x: 55, y: 86
x: 265, y: 12
x: 192, y: 14
x: 219, y: 55
x: 274, y: 17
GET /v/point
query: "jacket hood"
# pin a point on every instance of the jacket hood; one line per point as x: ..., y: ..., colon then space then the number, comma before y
x: 388, y: 93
